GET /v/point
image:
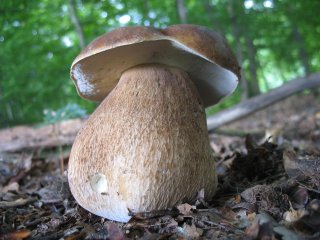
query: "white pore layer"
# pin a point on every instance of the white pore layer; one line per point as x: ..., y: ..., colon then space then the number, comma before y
x: 84, y: 84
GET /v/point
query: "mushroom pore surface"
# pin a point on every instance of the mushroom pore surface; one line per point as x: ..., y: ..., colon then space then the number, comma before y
x: 145, y: 147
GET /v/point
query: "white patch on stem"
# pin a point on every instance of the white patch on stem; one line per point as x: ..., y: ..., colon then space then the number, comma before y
x: 99, y: 183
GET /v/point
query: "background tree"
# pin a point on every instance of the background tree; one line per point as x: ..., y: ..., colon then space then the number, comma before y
x: 275, y: 41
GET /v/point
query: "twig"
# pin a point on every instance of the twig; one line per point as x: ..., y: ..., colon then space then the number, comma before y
x: 153, y: 214
x: 308, y: 188
x: 225, y: 227
x: 17, y: 203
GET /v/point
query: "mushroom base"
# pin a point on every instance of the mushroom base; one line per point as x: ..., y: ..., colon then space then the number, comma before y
x: 145, y: 147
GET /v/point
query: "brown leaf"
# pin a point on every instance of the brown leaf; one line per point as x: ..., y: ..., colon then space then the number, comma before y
x: 227, y: 213
x: 244, y: 205
x: 18, y: 235
x: 302, y: 166
x: 299, y: 197
x: 172, y: 223
x: 185, y: 209
x: 266, y: 231
x: 311, y: 217
x: 189, y: 232
x: 14, y: 166
x: 293, y: 215
x: 238, y: 198
x: 114, y: 232
x: 56, y: 190
x: 153, y: 214
x: 11, y: 187
x: 252, y: 231
x: 267, y: 198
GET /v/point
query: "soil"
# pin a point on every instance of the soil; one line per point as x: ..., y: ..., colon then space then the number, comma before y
x: 269, y: 185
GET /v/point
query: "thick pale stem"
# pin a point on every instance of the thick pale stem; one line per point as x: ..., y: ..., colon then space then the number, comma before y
x: 145, y: 147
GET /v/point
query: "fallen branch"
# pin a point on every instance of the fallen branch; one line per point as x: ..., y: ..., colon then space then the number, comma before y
x: 25, y: 137
x: 252, y: 105
x: 17, y: 203
x: 63, y: 133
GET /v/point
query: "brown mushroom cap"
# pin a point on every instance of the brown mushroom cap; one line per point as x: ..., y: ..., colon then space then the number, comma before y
x: 202, y: 53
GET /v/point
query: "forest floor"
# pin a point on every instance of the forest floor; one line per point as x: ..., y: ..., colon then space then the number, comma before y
x: 269, y: 185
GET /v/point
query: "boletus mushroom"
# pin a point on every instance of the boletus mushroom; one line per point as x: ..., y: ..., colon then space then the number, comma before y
x: 146, y: 146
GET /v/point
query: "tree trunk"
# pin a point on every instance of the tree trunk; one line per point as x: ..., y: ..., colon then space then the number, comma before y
x: 303, y: 55
x: 254, y: 84
x: 145, y: 13
x: 236, y: 34
x: 259, y: 102
x: 9, y: 111
x: 298, y: 38
x: 182, y: 12
x: 75, y: 21
x: 213, y: 18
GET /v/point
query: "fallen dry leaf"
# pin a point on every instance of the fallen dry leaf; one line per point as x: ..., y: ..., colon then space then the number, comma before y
x: 14, y: 166
x: 189, y: 231
x: 310, y: 219
x: 18, y: 235
x: 252, y: 231
x: 299, y: 197
x: 11, y: 187
x: 302, y: 166
x: 185, y: 209
x: 267, y: 198
x: 114, y: 232
x: 293, y: 215
x: 56, y: 189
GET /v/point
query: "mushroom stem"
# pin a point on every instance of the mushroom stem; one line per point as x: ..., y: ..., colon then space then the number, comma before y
x: 149, y: 144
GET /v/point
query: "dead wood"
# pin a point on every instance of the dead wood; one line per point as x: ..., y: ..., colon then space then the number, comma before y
x: 252, y: 105
x: 25, y: 137
x: 63, y: 133
x: 17, y: 203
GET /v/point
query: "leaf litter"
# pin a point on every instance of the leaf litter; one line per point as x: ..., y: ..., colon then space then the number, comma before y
x: 269, y: 188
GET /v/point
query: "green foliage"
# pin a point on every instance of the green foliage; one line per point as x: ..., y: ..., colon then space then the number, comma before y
x: 35, y: 61
x: 38, y: 43
x: 68, y: 112
x: 226, y: 102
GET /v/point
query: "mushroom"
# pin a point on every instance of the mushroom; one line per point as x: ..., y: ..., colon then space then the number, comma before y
x: 146, y: 146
